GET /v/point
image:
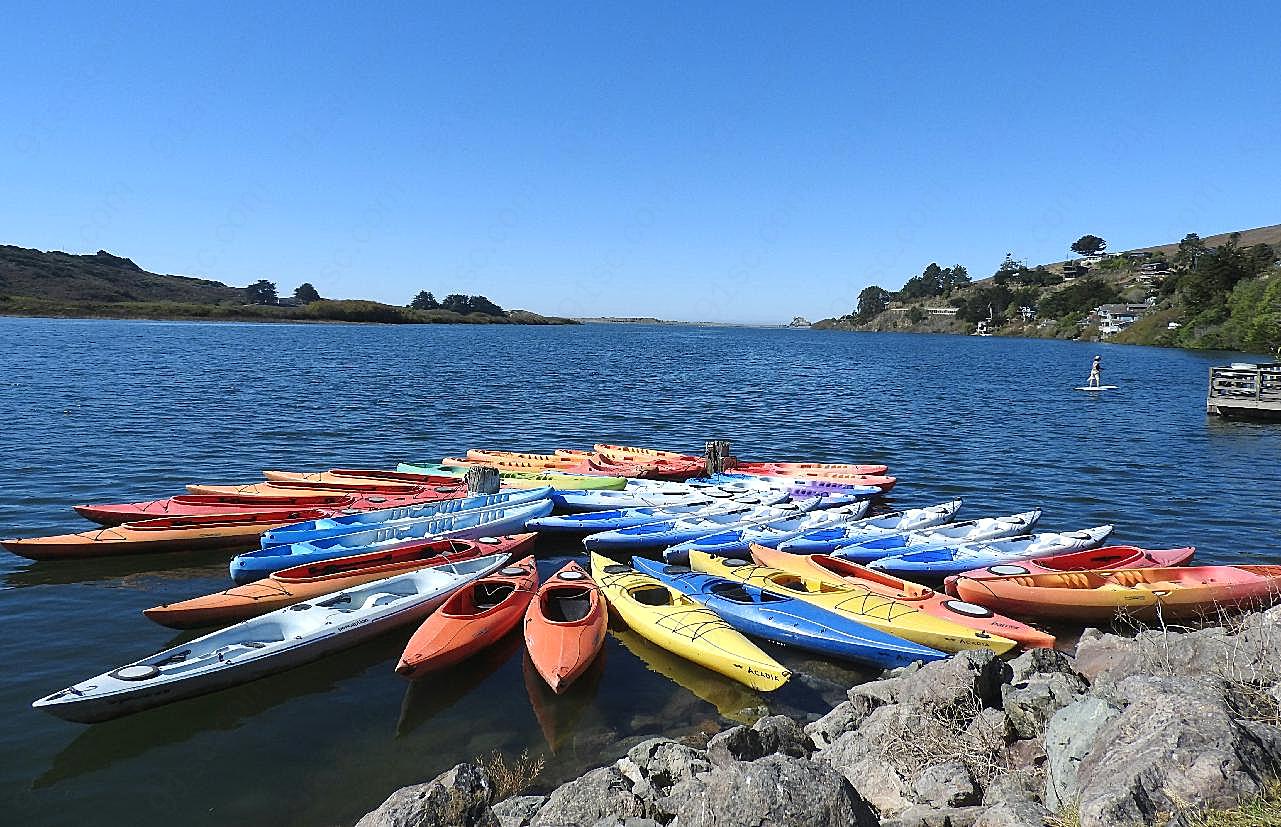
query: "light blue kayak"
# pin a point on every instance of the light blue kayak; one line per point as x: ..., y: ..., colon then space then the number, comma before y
x: 948, y: 535
x: 738, y: 540
x: 670, y: 532
x: 660, y: 498
x: 433, y: 468
x: 788, y: 620
x: 827, y: 540
x: 592, y: 522
x: 494, y: 521
x: 937, y: 563
x: 348, y: 523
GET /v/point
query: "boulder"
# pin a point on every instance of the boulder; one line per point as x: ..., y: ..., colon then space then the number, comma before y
x: 1025, y: 813
x: 777, y: 790
x: 944, y: 785
x: 1040, y: 661
x: 1029, y: 703
x: 738, y: 743
x: 459, y: 797
x: 663, y: 762
x: 632, y: 821
x: 518, y: 810
x: 781, y: 734
x: 1068, y: 739
x: 1176, y: 743
x: 585, y: 800
x: 953, y: 683
x: 843, y: 718
x: 923, y: 815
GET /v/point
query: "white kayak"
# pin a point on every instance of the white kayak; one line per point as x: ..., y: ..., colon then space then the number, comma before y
x: 592, y: 522
x: 941, y: 562
x: 949, y: 534
x: 662, y: 498
x: 670, y: 532
x: 827, y: 540
x: 269, y: 643
x: 770, y: 534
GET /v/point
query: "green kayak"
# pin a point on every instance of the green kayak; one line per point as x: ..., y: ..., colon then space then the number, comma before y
x: 525, y: 479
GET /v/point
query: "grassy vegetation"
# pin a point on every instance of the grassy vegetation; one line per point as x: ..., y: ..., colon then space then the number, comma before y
x: 1261, y: 811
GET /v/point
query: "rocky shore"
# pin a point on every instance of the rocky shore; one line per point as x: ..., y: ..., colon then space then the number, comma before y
x: 1162, y: 727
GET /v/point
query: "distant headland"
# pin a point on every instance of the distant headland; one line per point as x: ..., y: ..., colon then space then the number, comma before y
x: 102, y: 285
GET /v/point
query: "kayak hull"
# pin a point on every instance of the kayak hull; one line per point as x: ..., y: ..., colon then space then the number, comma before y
x: 470, y: 620
x: 565, y: 626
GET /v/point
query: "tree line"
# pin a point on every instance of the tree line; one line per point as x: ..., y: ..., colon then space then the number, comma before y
x: 264, y: 292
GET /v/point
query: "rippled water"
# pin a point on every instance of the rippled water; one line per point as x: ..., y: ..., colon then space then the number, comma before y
x: 109, y: 411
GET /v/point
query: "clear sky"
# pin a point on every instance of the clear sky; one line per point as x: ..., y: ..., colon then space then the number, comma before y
x: 741, y: 162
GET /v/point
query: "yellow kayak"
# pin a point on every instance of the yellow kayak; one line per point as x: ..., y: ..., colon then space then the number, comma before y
x: 673, y: 621
x: 878, y: 611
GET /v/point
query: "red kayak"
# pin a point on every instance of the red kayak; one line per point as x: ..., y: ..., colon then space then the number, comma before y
x: 785, y: 469
x: 565, y: 626
x: 472, y: 618
x: 1108, y: 557
x: 194, y: 505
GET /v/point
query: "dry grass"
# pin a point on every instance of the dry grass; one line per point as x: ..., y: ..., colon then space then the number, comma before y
x: 959, y: 732
x: 509, y: 779
x: 1069, y: 816
x: 1262, y: 811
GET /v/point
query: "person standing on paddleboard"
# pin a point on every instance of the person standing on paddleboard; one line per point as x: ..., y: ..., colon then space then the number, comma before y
x: 1096, y: 373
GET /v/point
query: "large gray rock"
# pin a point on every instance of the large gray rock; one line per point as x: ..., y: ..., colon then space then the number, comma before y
x: 777, y: 791
x: 861, y: 758
x: 585, y: 800
x: 923, y: 815
x: 948, y: 784
x: 1025, y: 813
x: 459, y: 797
x: 1030, y: 702
x: 1176, y: 743
x: 781, y: 734
x: 663, y: 762
x: 1040, y: 661
x: 518, y: 811
x: 1069, y: 737
x: 955, y: 682
x: 738, y: 743
x: 843, y: 718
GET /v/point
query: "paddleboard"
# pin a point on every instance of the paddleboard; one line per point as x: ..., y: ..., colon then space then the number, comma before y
x: 1099, y: 388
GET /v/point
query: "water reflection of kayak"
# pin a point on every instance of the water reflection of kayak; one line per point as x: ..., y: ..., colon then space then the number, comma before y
x: 426, y: 699
x: 732, y: 700
x: 558, y: 715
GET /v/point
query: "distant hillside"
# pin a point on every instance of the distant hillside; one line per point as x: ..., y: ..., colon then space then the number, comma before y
x: 102, y: 285
x: 1223, y: 291
x: 101, y: 277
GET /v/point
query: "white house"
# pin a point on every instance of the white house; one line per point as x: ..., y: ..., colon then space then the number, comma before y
x: 1113, y: 318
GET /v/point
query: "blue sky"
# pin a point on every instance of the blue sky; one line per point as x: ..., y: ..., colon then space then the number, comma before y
x: 740, y: 162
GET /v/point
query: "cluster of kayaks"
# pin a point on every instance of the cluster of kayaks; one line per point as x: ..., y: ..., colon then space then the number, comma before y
x: 798, y: 555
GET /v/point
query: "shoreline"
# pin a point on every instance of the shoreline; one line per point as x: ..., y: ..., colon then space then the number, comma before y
x: 1116, y: 733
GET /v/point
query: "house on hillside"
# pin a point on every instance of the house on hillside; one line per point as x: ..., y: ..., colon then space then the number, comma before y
x: 1073, y: 270
x: 1113, y: 318
x: 948, y: 312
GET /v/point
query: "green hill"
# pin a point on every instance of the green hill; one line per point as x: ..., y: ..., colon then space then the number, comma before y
x: 38, y: 283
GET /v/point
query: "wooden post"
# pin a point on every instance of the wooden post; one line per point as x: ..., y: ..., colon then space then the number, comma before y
x: 717, y: 456
x: 482, y: 480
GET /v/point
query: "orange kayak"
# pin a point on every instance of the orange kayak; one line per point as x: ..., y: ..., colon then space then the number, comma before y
x: 289, y: 586
x: 627, y: 452
x: 534, y: 466
x: 189, y: 505
x: 473, y: 617
x: 550, y: 461
x: 1108, y: 557
x: 361, y: 476
x: 640, y: 465
x: 565, y: 626
x: 830, y: 569
x: 1090, y: 596
x: 203, y: 531
x: 396, y: 493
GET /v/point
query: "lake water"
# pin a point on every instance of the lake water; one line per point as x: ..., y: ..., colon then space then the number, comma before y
x: 97, y: 411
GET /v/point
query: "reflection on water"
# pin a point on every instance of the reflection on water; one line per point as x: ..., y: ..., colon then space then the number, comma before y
x: 436, y: 692
x: 558, y: 714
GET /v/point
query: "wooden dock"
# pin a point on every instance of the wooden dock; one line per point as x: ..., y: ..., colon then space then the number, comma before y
x: 1242, y: 391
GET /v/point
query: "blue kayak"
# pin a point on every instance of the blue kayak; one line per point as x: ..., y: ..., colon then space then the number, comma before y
x: 348, y: 523
x: 793, y: 487
x: 788, y: 620
x: 827, y: 540
x: 672, y: 531
x: 738, y: 540
x: 592, y: 522
x: 940, y: 562
x: 944, y: 536
x: 660, y: 498
x: 494, y: 521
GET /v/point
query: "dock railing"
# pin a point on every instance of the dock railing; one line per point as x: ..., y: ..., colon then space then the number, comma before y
x: 1242, y: 387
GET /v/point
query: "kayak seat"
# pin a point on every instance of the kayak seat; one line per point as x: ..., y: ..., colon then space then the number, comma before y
x: 488, y: 595
x: 652, y: 596
x: 731, y: 591
x: 567, y: 605
x: 380, y: 599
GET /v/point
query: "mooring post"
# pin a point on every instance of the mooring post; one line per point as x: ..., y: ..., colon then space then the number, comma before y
x: 717, y: 457
x: 482, y: 480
